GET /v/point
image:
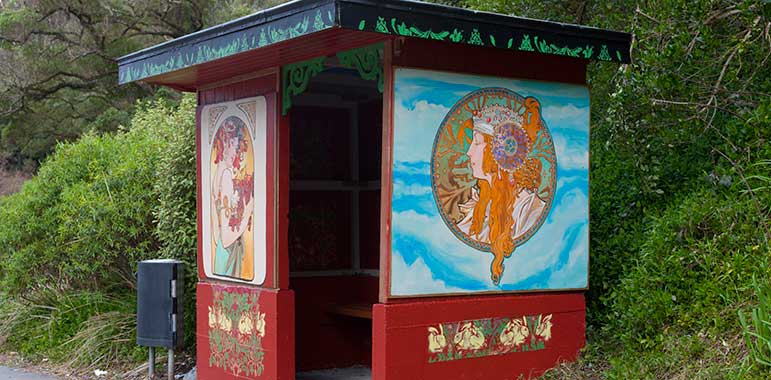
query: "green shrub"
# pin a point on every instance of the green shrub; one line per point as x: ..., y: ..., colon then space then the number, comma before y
x: 176, y: 213
x: 757, y: 325
x: 71, y: 238
x: 45, y: 321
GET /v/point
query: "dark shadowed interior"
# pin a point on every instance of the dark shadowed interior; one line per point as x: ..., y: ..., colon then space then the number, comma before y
x: 334, y: 218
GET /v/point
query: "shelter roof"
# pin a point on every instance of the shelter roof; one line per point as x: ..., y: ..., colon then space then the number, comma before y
x: 285, y: 31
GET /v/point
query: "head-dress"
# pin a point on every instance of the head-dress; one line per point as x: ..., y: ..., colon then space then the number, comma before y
x: 511, y: 144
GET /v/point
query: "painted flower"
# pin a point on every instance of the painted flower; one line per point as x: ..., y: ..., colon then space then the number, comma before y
x: 469, y: 337
x: 212, y: 318
x: 436, y: 339
x: 260, y: 325
x: 245, y: 324
x: 544, y: 327
x: 514, y: 333
x: 223, y: 322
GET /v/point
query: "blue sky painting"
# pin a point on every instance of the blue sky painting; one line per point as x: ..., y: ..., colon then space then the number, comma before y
x: 427, y: 258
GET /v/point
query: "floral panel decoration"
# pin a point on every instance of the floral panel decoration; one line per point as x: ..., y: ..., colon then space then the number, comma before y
x: 236, y: 329
x: 487, y: 337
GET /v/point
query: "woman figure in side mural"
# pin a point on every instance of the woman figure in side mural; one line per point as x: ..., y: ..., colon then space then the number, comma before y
x: 232, y: 197
x: 510, y: 180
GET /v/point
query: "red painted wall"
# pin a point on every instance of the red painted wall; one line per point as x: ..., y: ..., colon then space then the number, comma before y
x: 402, y: 330
x: 244, y: 332
x: 247, y: 332
x: 402, y: 327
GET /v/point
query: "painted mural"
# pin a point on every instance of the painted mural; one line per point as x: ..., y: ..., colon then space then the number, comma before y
x: 490, y: 184
x: 487, y: 337
x: 233, y: 190
x: 236, y: 329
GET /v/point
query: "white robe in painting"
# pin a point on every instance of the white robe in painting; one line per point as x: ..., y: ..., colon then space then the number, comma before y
x: 527, y: 209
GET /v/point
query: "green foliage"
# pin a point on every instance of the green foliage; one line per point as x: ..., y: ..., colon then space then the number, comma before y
x: 45, y: 322
x: 84, y: 221
x: 176, y: 213
x: 757, y: 326
x: 679, y: 184
x: 58, y: 60
x: 86, y: 218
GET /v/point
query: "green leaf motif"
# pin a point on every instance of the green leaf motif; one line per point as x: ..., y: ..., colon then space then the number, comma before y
x: 362, y: 24
x: 588, y: 51
x: 492, y: 40
x: 456, y: 36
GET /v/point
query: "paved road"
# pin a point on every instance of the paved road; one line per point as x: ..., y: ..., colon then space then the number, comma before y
x: 7, y: 373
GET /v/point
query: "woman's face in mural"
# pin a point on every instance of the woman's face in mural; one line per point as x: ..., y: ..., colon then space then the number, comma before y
x: 476, y: 153
x: 231, y: 149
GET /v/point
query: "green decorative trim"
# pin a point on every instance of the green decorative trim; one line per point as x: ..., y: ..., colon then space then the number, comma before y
x: 525, y: 44
x: 381, y: 27
x: 481, y: 35
x: 476, y: 38
x: 456, y: 36
x: 366, y: 60
x: 295, y: 78
x: 604, y: 54
x: 226, y: 45
x: 542, y: 46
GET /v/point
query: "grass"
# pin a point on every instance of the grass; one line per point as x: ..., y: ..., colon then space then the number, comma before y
x: 79, y: 328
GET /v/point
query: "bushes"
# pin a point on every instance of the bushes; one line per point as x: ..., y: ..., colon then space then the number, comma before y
x: 96, y: 207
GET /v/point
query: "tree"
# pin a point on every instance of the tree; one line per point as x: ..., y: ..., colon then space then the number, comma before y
x: 57, y: 59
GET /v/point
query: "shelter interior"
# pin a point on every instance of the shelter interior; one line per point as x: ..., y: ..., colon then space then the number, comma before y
x: 334, y: 217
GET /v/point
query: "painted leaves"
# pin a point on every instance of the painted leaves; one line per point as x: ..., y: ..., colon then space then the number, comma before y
x: 236, y: 329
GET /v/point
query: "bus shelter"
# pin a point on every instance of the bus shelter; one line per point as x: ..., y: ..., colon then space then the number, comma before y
x: 397, y: 187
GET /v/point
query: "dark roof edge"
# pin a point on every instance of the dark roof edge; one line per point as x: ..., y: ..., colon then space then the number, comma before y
x: 255, y: 19
x: 497, y: 18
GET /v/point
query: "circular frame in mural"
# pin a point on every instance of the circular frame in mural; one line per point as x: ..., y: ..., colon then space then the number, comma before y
x: 493, y: 171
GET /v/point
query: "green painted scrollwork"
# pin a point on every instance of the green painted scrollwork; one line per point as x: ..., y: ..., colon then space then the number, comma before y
x: 366, y: 61
x: 475, y: 37
x: 295, y: 78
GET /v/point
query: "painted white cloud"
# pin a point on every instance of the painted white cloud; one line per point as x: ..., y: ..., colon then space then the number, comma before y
x: 415, y: 128
x: 442, y: 244
x: 415, y: 278
x: 542, y: 251
x: 402, y: 189
x: 573, y: 274
x: 571, y: 154
x: 412, y: 168
x: 566, y: 116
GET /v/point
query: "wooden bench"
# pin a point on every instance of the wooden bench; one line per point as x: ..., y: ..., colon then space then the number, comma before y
x: 359, y: 310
